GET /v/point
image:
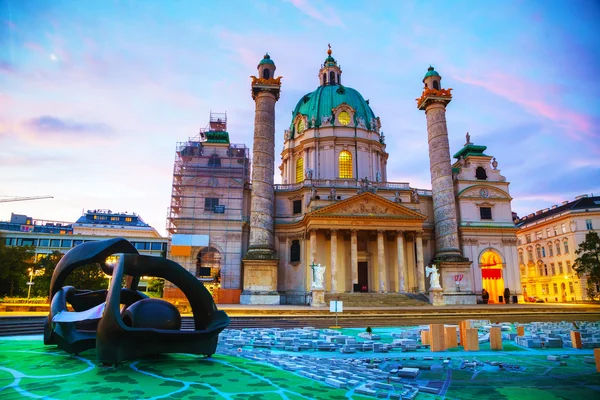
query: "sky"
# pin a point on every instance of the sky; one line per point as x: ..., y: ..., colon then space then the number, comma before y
x: 95, y: 94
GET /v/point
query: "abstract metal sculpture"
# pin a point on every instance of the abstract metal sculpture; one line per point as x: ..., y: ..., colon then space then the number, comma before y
x: 143, y: 326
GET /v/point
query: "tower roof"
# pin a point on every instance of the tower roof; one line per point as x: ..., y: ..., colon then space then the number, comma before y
x: 266, y: 60
x: 471, y: 149
x: 431, y: 72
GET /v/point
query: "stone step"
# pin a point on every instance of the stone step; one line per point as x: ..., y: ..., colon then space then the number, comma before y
x: 378, y: 299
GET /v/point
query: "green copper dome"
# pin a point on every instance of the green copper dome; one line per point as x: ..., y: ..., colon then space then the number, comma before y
x: 266, y: 60
x: 431, y: 72
x: 322, y: 101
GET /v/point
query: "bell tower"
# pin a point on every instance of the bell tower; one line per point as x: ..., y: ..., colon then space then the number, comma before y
x: 261, y: 261
x: 330, y: 72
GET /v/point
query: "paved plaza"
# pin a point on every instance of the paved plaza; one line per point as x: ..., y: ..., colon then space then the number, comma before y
x: 306, y: 363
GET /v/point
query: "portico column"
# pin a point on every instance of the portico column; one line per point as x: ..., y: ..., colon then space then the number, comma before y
x: 354, y: 256
x: 401, y: 265
x: 334, y: 286
x: 313, y: 245
x: 420, y: 265
x: 381, y: 260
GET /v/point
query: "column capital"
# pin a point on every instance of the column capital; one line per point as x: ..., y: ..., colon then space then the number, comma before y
x: 380, y: 231
x: 333, y: 231
x: 353, y: 231
x: 419, y: 233
x: 399, y: 232
x: 312, y: 230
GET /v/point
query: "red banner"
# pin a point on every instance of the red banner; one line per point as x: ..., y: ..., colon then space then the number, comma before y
x: 491, y: 273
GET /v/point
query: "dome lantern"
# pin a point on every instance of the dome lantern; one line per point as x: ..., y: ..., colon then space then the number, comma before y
x: 330, y: 72
x: 432, y: 79
x: 266, y: 67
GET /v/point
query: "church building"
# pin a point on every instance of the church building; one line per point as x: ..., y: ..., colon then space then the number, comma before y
x: 336, y: 208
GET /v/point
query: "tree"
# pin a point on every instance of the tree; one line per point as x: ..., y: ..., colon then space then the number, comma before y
x: 588, y: 262
x: 15, y: 262
x: 156, y: 285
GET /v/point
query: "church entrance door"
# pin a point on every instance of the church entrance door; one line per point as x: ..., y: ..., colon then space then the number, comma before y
x: 363, y: 277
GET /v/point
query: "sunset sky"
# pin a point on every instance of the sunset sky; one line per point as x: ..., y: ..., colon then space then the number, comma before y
x: 94, y: 95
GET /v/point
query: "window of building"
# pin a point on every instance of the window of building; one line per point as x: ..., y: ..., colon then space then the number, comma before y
x: 528, y: 238
x: 550, y: 250
x: 54, y: 243
x: 563, y: 228
x: 545, y: 269
x: 28, y: 242
x: 521, y: 259
x: 485, y: 212
x: 555, y: 287
x: 344, y: 118
x: 300, y: 127
x: 266, y: 73
x: 543, y: 251
x: 208, y: 262
x: 66, y: 243
x: 541, y: 270
x: 114, y: 218
x: 545, y: 288
x: 300, y: 170
x: 566, y: 244
x: 324, y: 78
x: 547, y: 232
x: 560, y: 268
x: 210, y: 203
x: 557, y: 248
x: 571, y: 290
x: 436, y: 85
x: 128, y: 219
x: 214, y: 161
x: 332, y: 77
x: 345, y: 164
x: 44, y: 243
x: 588, y: 224
x: 538, y: 252
x: 552, y: 269
x: 568, y: 263
x: 480, y: 173
x: 295, y: 251
x: 555, y: 231
x: 95, y: 217
x: 156, y: 246
x: 297, y: 206
x: 529, y: 255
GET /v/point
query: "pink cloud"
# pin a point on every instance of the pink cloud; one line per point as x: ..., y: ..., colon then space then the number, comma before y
x: 34, y: 47
x: 328, y: 17
x: 533, y: 99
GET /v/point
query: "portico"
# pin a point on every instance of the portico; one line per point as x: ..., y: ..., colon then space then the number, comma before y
x: 368, y: 244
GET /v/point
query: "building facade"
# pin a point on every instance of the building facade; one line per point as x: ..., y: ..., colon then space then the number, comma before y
x: 336, y: 207
x: 547, y: 241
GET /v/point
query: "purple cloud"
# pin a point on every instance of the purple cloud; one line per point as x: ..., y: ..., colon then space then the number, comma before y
x: 48, y: 124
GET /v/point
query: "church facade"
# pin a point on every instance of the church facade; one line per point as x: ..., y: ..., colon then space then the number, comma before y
x: 336, y: 207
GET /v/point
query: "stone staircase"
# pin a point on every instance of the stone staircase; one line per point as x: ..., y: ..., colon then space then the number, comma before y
x: 378, y: 299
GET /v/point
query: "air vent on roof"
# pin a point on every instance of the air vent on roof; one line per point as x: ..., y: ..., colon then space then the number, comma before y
x: 553, y: 207
x: 530, y: 215
x: 545, y: 209
x: 582, y: 196
x: 538, y: 212
x: 565, y: 202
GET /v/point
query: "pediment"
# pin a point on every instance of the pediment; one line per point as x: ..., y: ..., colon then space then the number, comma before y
x: 483, y: 192
x: 367, y: 205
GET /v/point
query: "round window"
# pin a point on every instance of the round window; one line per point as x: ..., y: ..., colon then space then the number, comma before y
x: 344, y: 118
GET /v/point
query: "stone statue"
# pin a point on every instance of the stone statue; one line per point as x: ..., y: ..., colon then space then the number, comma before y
x: 468, y: 137
x: 494, y: 163
x: 360, y: 122
x: 382, y: 138
x: 286, y: 135
x: 313, y: 193
x: 397, y: 197
x: 378, y: 176
x: 414, y: 195
x: 434, y: 277
x: 332, y: 195
x: 462, y: 161
x: 308, y: 173
x: 313, y: 121
x: 326, y: 120
x: 318, y: 276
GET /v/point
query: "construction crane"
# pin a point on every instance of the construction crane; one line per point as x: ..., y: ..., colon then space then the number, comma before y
x: 11, y: 199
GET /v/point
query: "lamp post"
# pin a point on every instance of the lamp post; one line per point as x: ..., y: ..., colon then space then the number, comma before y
x: 30, y: 283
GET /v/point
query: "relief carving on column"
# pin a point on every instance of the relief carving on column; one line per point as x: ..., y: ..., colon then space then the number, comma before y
x: 470, y: 241
x: 509, y: 242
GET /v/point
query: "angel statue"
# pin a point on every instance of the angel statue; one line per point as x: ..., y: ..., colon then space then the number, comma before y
x: 318, y: 275
x: 434, y: 277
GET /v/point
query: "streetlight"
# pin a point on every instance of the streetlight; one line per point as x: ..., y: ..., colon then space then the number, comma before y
x: 30, y: 283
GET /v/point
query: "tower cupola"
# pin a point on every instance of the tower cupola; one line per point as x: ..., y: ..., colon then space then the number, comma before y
x: 330, y: 73
x: 266, y: 67
x: 432, y: 79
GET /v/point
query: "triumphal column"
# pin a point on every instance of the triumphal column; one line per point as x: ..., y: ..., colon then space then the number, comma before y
x: 448, y: 256
x: 261, y: 261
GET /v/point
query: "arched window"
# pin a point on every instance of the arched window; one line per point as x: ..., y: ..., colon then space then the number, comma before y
x: 266, y: 73
x: 436, y: 85
x: 332, y: 78
x: 480, y: 173
x: 339, y: 79
x: 295, y: 251
x: 208, y: 262
x: 345, y: 164
x: 324, y: 78
x: 299, y: 170
x: 426, y: 87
